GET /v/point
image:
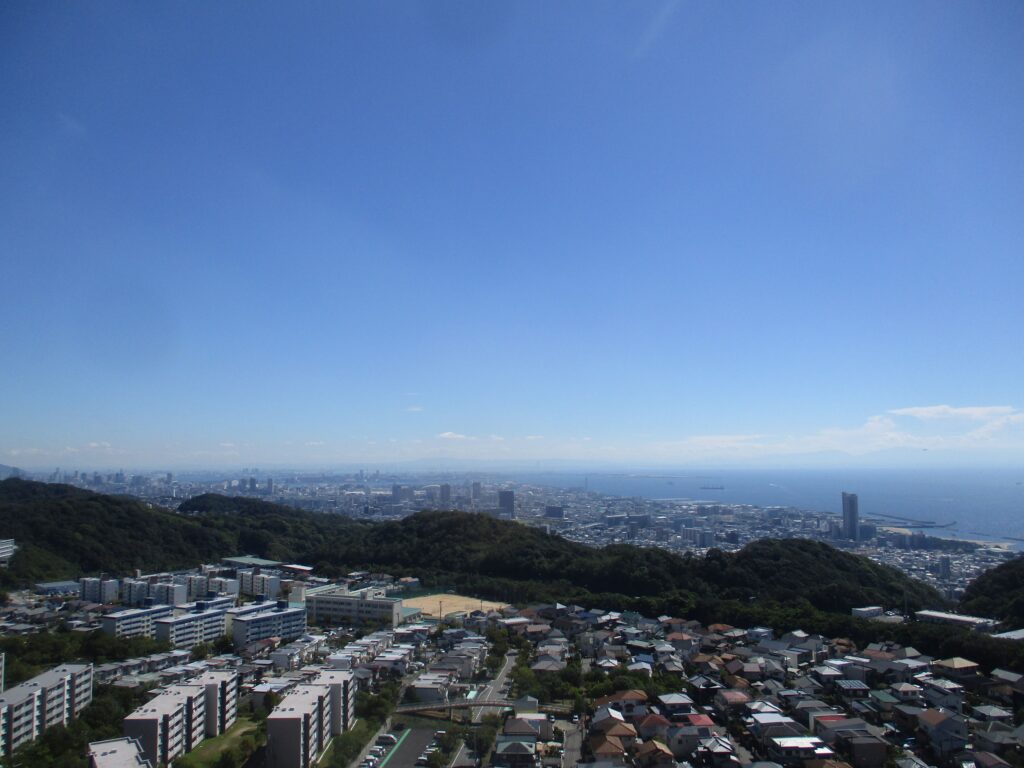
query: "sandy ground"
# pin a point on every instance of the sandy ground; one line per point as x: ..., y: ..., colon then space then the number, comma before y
x: 446, y: 603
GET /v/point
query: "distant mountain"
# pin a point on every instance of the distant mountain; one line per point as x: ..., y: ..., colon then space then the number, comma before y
x: 998, y: 593
x: 6, y: 471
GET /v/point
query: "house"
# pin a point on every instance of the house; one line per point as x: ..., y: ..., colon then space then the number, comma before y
x: 945, y: 732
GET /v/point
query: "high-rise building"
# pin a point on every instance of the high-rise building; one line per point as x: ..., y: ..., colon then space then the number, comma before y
x: 446, y: 493
x: 507, y: 503
x: 396, y: 494
x: 476, y: 491
x: 851, y: 517
x: 270, y: 485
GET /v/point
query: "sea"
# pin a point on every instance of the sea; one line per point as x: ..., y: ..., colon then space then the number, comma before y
x: 974, y: 504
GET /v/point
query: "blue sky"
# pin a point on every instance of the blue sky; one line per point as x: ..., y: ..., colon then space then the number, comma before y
x: 647, y: 233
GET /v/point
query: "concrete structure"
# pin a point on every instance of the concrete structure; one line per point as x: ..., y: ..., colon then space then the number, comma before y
x: 332, y: 605
x: 273, y: 620
x: 52, y: 698
x: 7, y: 550
x: 342, y: 686
x: 169, y: 593
x: 299, y: 728
x: 851, y: 517
x: 976, y: 623
x: 134, y: 591
x: 507, y: 504
x: 221, y: 690
x: 134, y: 622
x: 117, y: 753
x: 190, y: 629
x: 170, y: 725
x: 100, y: 590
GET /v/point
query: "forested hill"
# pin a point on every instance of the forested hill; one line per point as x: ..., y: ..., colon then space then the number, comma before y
x: 998, y: 593
x: 65, y: 531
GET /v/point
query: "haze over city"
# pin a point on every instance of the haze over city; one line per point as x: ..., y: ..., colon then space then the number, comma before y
x: 652, y: 234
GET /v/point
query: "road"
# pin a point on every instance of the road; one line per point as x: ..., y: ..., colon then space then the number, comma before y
x: 572, y: 745
x: 493, y: 689
x: 410, y: 747
x: 465, y: 756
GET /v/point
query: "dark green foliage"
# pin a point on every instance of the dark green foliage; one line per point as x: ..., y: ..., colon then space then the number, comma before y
x: 27, y: 656
x: 998, y: 593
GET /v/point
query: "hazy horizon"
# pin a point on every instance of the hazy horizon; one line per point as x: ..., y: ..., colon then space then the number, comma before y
x: 667, y: 234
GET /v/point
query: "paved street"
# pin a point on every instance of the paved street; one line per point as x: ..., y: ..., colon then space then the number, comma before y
x: 572, y: 747
x: 411, y: 745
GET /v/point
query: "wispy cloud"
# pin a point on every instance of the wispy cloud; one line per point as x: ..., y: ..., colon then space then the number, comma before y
x: 535, y: 437
x: 452, y: 436
x: 656, y: 27
x: 314, y: 443
x: 227, y: 444
x: 414, y: 409
x: 973, y: 412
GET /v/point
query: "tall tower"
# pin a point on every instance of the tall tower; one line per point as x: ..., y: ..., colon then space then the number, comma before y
x: 851, y: 517
x: 507, y: 504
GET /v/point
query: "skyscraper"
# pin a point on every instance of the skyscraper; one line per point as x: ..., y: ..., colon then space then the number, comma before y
x: 851, y: 517
x: 507, y: 503
x: 476, y: 492
x: 446, y: 493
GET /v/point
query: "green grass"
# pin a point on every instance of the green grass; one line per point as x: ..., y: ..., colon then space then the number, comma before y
x: 210, y: 750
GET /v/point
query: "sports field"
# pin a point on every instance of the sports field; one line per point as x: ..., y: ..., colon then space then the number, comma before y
x: 436, y: 606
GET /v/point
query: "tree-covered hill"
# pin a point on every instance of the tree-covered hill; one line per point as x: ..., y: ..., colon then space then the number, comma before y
x: 66, y: 531
x: 63, y: 531
x: 998, y: 593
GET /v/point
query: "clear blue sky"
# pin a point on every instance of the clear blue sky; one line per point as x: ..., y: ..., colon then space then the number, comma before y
x: 651, y: 232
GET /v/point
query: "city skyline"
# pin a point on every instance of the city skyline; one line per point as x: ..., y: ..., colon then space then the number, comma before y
x: 660, y: 235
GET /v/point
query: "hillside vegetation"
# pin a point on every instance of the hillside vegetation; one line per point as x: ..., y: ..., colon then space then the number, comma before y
x: 65, y: 531
x: 998, y: 593
x: 786, y: 584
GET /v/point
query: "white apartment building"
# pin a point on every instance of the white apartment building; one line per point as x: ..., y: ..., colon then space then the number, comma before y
x: 221, y: 699
x: 342, y: 686
x: 190, y: 629
x: 299, y: 728
x: 274, y: 620
x: 7, y: 550
x: 99, y: 590
x: 332, y: 605
x: 170, y: 725
x: 117, y: 753
x: 52, y: 698
x: 134, y: 622
x: 169, y: 593
x: 134, y: 591
x: 226, y: 586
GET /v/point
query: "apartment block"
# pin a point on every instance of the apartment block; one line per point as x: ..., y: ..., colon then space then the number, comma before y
x: 221, y: 689
x: 333, y: 605
x: 275, y: 620
x: 169, y: 593
x: 299, y: 728
x: 342, y: 686
x: 134, y: 622
x: 170, y: 725
x: 134, y: 592
x: 117, y: 753
x: 52, y: 698
x: 99, y: 590
x: 190, y: 629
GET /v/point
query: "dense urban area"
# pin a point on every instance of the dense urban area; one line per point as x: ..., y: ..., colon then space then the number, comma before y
x: 249, y: 660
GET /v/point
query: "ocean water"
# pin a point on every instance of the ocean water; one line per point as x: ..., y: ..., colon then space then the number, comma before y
x: 981, y: 502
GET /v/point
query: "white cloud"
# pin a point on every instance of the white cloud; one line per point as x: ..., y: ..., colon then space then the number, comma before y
x: 414, y: 409
x: 98, y: 444
x: 973, y: 412
x: 535, y: 437
x: 227, y: 444
x: 497, y: 438
x: 314, y: 443
x: 452, y: 436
